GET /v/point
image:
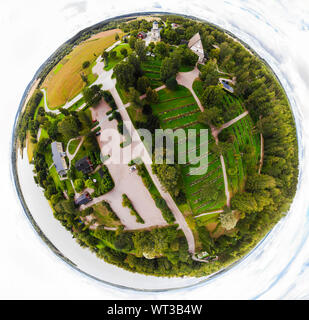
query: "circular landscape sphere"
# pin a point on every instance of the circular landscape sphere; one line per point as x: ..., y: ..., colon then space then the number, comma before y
x: 154, y: 151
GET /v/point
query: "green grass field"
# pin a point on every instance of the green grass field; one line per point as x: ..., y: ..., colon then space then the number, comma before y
x: 119, y: 57
x: 73, y: 145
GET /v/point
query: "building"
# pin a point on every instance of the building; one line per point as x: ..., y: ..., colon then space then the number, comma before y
x: 83, y: 199
x: 195, y: 44
x: 142, y: 35
x: 154, y: 34
x: 59, y: 158
x: 84, y: 165
x: 175, y: 25
x: 225, y: 84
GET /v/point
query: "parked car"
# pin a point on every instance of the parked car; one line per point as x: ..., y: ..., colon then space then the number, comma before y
x: 98, y: 133
x: 132, y: 168
x: 94, y: 120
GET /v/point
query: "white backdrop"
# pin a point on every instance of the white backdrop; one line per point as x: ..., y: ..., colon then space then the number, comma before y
x: 31, y: 30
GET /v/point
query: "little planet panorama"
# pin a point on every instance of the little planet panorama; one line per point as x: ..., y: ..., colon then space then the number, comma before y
x: 158, y: 144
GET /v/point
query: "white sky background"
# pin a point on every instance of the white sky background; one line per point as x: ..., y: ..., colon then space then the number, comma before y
x: 30, y: 31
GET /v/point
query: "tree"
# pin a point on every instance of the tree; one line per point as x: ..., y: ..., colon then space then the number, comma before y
x: 211, y: 116
x: 84, y: 78
x: 52, y: 129
x: 244, y: 202
x: 64, y: 111
x: 228, y: 219
x: 124, y: 72
x: 258, y: 182
x: 69, y: 127
x: 136, y: 63
x: 221, y: 147
x: 132, y: 41
x: 84, y: 119
x: 161, y: 49
x: 79, y: 185
x: 117, y: 37
x: 93, y: 95
x: 171, y: 83
x: 140, y: 49
x: 169, y: 175
x: 124, y: 52
x: 105, y: 55
x: 151, y: 46
x: 188, y: 57
x: 152, y: 96
x: 213, y: 97
x: 169, y: 68
x: 209, y: 73
x: 113, y: 54
x: 90, y: 184
x: 134, y: 98
x: 142, y: 84
x: 85, y: 64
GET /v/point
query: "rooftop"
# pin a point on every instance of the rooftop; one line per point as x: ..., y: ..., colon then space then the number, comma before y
x: 58, y: 157
x: 194, y: 40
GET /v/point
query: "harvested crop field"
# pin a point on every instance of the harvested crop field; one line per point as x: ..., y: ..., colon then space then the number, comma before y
x: 64, y: 84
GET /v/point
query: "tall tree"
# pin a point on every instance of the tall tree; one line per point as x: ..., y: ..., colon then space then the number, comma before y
x: 124, y: 72
x: 69, y: 127
x: 93, y: 95
x: 140, y: 49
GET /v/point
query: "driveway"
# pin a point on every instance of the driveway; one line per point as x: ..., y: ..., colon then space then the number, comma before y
x: 186, y: 79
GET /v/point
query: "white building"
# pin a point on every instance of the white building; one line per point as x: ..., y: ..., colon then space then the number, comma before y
x: 195, y: 44
x: 154, y: 34
x: 59, y: 158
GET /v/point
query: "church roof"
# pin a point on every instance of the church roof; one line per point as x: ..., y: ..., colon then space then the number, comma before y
x: 194, y: 40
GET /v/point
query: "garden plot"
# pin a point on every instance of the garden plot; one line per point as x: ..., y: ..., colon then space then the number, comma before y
x: 235, y: 163
x: 178, y: 109
x: 152, y: 67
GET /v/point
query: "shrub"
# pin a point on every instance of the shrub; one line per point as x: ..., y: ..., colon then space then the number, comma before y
x: 126, y: 202
x: 172, y: 83
x: 166, y: 211
x: 79, y: 185
x: 147, y: 109
x: 86, y: 64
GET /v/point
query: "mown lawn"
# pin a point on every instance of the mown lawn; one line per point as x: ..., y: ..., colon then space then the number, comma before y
x: 119, y: 57
x: 73, y: 145
x: 66, y: 83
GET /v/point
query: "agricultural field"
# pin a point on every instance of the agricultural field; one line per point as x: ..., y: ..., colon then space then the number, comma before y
x: 64, y: 84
